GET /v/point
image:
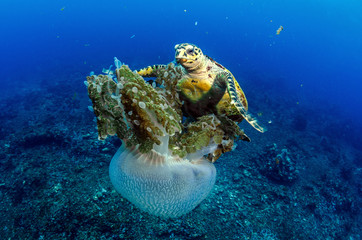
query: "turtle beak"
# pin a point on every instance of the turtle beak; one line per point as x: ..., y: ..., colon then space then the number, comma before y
x: 181, y: 60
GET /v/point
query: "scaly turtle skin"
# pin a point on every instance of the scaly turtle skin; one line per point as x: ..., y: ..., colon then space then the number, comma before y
x: 206, y: 86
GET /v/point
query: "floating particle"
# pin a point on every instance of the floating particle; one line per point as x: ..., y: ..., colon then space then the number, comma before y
x: 132, y: 36
x: 62, y: 9
x: 185, y: 10
x: 196, y: 23
x: 279, y: 30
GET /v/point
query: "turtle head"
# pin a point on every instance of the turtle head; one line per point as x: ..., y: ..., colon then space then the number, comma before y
x: 188, y: 55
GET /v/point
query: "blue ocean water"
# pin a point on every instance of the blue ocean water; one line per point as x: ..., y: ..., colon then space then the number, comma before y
x: 319, y: 47
x: 308, y: 74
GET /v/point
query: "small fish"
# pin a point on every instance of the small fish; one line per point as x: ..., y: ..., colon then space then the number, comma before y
x: 196, y: 23
x: 107, y: 71
x: 62, y: 9
x: 279, y: 30
x: 132, y: 36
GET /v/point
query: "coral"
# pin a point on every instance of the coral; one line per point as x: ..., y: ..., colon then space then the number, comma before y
x: 163, y: 165
x: 279, y: 165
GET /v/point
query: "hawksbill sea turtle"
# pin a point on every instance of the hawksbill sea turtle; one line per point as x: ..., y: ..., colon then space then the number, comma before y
x: 207, y: 86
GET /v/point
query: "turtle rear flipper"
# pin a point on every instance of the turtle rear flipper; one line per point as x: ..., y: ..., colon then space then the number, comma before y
x: 237, y: 103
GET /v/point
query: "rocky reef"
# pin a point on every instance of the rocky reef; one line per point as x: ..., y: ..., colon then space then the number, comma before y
x: 54, y: 182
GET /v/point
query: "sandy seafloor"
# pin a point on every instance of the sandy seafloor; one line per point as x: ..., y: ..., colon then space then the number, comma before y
x: 54, y: 180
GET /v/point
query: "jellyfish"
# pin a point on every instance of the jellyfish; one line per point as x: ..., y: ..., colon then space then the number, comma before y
x: 164, y: 167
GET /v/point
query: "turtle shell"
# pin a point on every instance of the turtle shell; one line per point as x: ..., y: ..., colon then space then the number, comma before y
x: 211, y: 94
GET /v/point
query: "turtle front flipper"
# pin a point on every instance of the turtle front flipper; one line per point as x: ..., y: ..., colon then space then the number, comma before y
x: 199, y: 98
x: 150, y: 70
x: 232, y: 87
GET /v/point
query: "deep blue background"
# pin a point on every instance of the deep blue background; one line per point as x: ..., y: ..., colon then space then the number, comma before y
x: 318, y: 53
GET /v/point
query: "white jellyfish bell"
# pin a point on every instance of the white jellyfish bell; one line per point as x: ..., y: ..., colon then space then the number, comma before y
x: 159, y: 183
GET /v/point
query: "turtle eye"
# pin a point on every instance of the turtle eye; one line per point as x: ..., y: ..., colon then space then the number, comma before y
x: 190, y: 51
